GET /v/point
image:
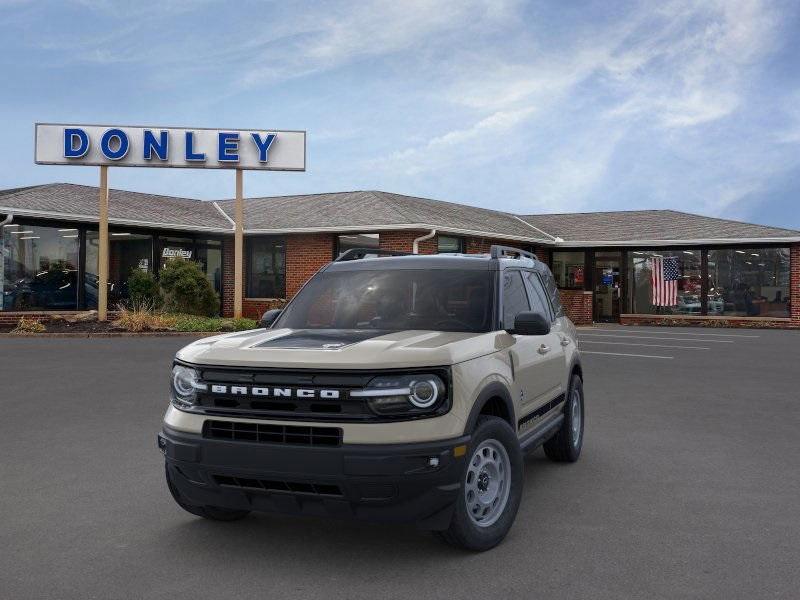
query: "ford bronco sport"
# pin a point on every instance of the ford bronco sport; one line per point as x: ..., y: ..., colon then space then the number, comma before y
x: 391, y: 388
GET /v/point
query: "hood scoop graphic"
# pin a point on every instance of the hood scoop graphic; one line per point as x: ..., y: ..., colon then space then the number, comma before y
x: 322, y: 339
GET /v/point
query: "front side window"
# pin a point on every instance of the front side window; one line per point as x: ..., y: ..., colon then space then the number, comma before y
x: 39, y: 268
x: 537, y: 295
x: 515, y: 298
x: 266, y: 267
x: 748, y: 282
x: 394, y: 300
x: 666, y: 282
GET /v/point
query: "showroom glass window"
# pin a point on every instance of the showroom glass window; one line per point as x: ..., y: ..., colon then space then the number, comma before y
x: 266, y: 267
x: 39, y: 268
x: 748, y: 282
x: 209, y: 255
x: 646, y: 296
x: 357, y: 240
x: 448, y: 244
x: 128, y: 252
x: 569, y: 269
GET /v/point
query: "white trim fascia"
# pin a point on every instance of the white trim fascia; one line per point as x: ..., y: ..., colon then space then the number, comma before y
x: 401, y: 227
x: 94, y: 219
x: 686, y: 242
x: 224, y: 214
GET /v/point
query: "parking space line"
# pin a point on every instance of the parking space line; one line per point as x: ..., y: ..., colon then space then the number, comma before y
x: 623, y: 354
x: 733, y: 335
x: 648, y: 345
x: 650, y: 337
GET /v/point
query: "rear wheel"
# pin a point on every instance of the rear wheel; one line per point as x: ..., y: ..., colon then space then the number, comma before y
x: 215, y: 513
x: 491, y: 488
x: 566, y: 444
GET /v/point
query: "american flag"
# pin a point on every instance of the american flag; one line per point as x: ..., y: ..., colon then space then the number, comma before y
x: 664, y: 277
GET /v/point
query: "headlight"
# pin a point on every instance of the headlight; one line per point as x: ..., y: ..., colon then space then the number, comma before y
x: 405, y: 395
x: 185, y: 385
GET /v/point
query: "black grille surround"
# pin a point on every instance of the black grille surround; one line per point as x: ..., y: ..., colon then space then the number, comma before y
x: 267, y: 433
x: 293, y: 408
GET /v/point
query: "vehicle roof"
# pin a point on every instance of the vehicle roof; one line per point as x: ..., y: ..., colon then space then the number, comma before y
x: 476, y: 262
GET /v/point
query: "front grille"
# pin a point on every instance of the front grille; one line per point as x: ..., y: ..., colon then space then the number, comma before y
x: 273, y: 434
x: 269, y: 485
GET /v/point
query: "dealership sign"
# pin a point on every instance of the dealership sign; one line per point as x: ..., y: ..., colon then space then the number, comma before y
x: 193, y: 148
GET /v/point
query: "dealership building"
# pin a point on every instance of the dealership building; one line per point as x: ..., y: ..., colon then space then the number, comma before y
x: 610, y: 266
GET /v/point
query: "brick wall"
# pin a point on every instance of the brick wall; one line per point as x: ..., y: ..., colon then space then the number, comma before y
x: 227, y: 277
x: 794, y: 284
x: 578, y: 305
x: 306, y: 254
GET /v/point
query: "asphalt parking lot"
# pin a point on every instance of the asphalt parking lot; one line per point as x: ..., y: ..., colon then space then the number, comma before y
x: 688, y: 487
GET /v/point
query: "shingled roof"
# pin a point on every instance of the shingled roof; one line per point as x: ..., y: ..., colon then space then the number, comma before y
x: 356, y: 211
x: 362, y: 211
x: 643, y: 226
x: 79, y: 202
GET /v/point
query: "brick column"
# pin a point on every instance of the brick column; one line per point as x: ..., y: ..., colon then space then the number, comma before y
x: 226, y: 301
x: 403, y: 241
x: 306, y: 254
x: 794, y: 284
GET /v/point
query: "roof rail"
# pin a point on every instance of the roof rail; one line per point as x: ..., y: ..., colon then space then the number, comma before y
x: 359, y: 253
x: 497, y: 251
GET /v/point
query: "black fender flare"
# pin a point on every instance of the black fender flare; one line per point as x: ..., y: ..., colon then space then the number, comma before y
x: 494, y: 389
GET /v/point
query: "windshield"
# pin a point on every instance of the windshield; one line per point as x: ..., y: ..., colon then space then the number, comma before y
x: 394, y: 300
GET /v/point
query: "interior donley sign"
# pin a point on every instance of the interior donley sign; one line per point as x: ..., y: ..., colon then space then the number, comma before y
x: 192, y: 148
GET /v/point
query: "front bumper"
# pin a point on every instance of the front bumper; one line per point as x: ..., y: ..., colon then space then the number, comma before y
x: 401, y: 483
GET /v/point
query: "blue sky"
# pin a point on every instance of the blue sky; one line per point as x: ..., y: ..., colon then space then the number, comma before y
x: 521, y: 106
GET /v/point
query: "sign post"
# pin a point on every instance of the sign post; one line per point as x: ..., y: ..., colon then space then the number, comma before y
x: 103, y: 253
x: 176, y: 147
x: 238, y: 244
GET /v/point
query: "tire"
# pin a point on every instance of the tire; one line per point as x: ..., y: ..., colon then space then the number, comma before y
x: 214, y: 513
x: 493, y: 443
x: 566, y: 444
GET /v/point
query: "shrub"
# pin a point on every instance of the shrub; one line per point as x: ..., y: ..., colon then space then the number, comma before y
x: 141, y: 317
x: 143, y: 289
x: 186, y: 289
x: 212, y: 324
x: 26, y: 325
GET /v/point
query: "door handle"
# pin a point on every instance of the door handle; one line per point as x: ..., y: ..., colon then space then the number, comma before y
x: 543, y: 349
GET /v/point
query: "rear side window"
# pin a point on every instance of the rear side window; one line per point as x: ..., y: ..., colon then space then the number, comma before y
x: 537, y: 295
x: 515, y: 298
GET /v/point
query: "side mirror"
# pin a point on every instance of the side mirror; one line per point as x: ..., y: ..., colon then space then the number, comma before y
x: 269, y: 317
x: 531, y: 323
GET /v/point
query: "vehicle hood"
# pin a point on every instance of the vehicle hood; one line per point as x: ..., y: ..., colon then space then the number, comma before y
x: 336, y: 348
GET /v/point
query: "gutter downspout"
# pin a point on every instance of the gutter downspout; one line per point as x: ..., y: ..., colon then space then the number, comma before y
x: 7, y: 220
x: 427, y: 236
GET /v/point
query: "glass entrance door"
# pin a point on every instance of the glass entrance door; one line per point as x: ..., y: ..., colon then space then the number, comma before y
x: 607, y: 285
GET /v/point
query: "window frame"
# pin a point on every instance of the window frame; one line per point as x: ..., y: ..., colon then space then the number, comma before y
x: 462, y: 243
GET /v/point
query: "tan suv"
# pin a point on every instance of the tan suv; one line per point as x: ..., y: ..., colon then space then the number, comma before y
x: 391, y: 388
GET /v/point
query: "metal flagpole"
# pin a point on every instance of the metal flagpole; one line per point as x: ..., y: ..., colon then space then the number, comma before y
x: 102, y: 257
x: 238, y: 247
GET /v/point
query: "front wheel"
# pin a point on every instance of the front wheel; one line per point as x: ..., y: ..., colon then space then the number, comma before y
x: 491, y: 488
x: 566, y: 444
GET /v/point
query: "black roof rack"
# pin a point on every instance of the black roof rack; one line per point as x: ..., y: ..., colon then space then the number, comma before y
x: 359, y: 253
x: 497, y: 251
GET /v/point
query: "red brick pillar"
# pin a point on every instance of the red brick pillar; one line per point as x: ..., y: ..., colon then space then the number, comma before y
x: 794, y: 284
x: 226, y: 301
x: 306, y: 254
x: 403, y: 241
